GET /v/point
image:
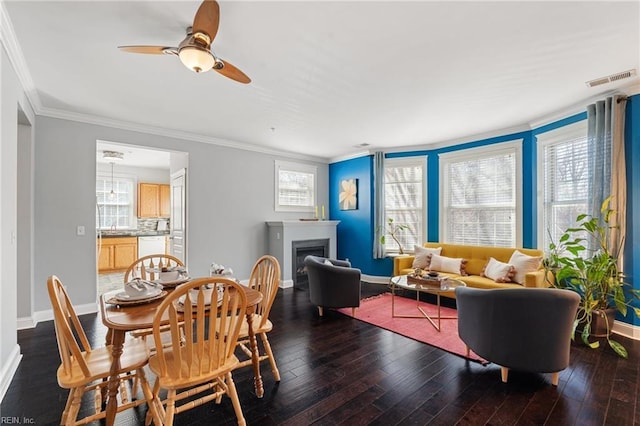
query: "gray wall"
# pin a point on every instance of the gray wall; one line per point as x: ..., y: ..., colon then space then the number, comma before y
x: 25, y: 221
x: 12, y: 99
x: 230, y: 195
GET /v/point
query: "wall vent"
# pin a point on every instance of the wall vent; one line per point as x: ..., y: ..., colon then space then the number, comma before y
x: 611, y: 78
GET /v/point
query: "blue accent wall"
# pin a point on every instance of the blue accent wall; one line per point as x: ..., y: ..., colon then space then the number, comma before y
x: 355, y: 232
x: 632, y: 240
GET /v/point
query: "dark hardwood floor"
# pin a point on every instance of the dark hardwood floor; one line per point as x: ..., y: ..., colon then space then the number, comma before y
x: 337, y: 370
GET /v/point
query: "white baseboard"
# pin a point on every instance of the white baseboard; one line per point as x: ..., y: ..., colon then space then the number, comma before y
x: 627, y: 330
x: 26, y: 322
x: 38, y: 316
x: 373, y: 279
x: 286, y: 283
x: 8, y: 371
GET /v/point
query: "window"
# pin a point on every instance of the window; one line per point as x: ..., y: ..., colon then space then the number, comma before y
x: 563, y: 173
x: 480, y: 189
x: 404, y: 200
x: 115, y: 210
x: 295, y: 187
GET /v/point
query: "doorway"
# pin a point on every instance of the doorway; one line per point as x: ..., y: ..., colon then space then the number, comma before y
x: 133, y: 202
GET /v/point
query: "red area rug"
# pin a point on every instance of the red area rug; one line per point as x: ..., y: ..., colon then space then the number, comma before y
x: 377, y: 311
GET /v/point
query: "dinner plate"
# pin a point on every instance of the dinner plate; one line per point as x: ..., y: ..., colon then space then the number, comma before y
x: 114, y: 301
x: 182, y: 298
x: 172, y: 283
x: 123, y: 296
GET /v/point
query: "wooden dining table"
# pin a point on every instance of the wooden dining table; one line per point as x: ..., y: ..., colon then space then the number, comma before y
x: 120, y: 319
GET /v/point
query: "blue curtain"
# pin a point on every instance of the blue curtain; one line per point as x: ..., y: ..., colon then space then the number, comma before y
x: 599, y: 146
x: 378, y: 205
x: 605, y: 137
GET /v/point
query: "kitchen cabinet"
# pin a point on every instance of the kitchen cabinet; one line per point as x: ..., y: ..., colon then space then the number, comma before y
x: 165, y: 200
x: 154, y: 200
x: 117, y: 253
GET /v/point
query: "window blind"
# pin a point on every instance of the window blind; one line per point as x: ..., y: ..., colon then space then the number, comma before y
x: 565, y: 167
x: 404, y: 200
x: 296, y: 188
x: 479, y: 205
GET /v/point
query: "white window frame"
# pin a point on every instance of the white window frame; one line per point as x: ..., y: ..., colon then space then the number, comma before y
x: 295, y: 167
x: 566, y: 133
x: 511, y: 147
x: 420, y: 161
x: 133, y: 220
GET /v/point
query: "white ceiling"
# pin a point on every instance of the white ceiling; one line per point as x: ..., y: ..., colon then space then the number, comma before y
x: 327, y: 76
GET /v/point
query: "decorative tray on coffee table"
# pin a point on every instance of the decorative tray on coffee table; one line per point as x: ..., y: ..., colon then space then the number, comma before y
x: 425, y: 280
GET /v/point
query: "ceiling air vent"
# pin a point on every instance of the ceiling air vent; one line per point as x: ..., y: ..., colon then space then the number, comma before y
x: 611, y: 78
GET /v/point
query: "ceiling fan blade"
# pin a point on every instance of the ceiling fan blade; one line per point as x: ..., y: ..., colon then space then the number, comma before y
x: 207, y: 19
x: 232, y: 72
x: 149, y: 50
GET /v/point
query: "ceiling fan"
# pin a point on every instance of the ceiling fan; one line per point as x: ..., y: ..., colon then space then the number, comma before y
x: 195, y: 50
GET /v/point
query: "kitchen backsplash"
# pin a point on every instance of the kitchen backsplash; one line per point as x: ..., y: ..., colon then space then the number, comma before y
x: 148, y: 225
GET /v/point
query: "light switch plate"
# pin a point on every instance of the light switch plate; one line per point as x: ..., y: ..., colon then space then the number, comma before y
x: 80, y: 230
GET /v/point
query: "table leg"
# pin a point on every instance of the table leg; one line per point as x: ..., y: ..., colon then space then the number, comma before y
x: 393, y: 296
x: 117, y: 341
x: 255, y: 358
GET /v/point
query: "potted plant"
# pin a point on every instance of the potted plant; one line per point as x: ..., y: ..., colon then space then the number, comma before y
x: 593, y: 273
x: 392, y: 229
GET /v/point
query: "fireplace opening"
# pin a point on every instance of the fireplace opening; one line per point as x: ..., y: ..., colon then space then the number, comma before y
x: 302, y: 249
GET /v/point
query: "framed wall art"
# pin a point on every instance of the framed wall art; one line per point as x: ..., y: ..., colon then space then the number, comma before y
x: 348, y: 194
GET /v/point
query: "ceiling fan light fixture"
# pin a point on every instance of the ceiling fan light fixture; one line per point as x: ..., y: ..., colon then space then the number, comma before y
x: 196, y: 58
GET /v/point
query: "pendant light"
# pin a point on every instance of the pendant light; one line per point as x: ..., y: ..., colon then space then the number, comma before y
x: 112, y: 194
x: 112, y: 156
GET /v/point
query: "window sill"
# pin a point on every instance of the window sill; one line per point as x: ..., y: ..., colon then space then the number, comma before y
x: 392, y: 255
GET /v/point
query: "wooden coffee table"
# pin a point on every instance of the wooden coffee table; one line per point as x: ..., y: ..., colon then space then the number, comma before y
x: 446, y: 285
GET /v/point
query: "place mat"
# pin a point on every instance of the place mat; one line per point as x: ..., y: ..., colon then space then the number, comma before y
x: 115, y: 301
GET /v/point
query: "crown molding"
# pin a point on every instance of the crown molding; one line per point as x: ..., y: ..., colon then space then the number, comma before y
x: 176, y: 134
x: 10, y: 42
x: 462, y: 140
x: 581, y: 106
x: 346, y: 157
x: 632, y: 90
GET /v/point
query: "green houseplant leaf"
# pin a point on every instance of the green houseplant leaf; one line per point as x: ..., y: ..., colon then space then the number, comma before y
x: 584, y: 261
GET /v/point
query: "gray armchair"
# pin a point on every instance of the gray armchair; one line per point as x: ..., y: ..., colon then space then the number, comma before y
x: 335, y: 285
x: 526, y: 329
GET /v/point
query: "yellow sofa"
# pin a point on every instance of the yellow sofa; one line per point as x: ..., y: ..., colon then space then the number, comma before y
x: 477, y: 257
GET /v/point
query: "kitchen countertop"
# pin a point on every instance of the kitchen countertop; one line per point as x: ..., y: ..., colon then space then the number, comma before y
x: 107, y: 234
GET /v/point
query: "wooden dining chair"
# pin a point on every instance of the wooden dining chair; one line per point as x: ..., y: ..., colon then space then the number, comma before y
x: 200, y: 363
x: 265, y: 277
x: 84, y: 368
x: 148, y: 267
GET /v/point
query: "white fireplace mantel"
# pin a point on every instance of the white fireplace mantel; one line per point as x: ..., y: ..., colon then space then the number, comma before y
x: 283, y: 232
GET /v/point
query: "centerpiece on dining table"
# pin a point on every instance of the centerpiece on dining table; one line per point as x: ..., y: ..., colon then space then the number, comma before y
x: 217, y: 270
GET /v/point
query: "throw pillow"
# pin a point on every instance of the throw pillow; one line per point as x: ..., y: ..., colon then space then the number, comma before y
x: 498, y: 271
x: 523, y: 265
x: 422, y: 258
x: 447, y: 264
x: 327, y: 262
